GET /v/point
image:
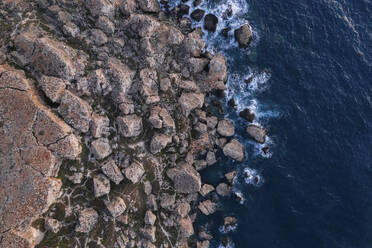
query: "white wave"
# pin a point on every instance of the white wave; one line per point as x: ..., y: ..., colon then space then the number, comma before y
x: 226, y: 229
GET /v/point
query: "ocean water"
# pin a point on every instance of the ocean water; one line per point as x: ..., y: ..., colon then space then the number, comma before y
x: 312, y: 89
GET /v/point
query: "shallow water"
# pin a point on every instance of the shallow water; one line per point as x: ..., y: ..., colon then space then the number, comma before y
x: 316, y: 188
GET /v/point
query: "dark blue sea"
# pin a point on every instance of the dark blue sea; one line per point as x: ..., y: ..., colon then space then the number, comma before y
x: 312, y: 66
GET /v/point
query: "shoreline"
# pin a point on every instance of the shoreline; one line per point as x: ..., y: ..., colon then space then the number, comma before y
x: 119, y: 123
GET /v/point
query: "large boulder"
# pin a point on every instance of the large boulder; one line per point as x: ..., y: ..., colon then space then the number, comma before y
x: 134, y: 172
x: 191, y: 101
x: 129, y: 125
x: 88, y: 218
x: 159, y: 142
x: 116, y: 206
x: 101, y: 148
x: 256, y: 133
x: 243, y: 35
x: 185, y: 178
x: 112, y: 171
x: 235, y: 150
x: 226, y: 128
x: 75, y: 111
x: 210, y: 22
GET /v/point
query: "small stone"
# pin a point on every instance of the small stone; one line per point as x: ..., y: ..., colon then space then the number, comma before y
x: 185, y: 178
x: 210, y: 22
x: 101, y: 185
x: 202, y: 244
x: 230, y: 223
x: 167, y: 200
x: 112, y: 171
x: 150, y: 6
x: 101, y: 148
x: 149, y: 233
x: 75, y: 111
x: 197, y: 14
x: 235, y: 150
x: 225, y: 32
x: 149, y: 78
x: 231, y: 176
x: 130, y: 125
x: 207, y: 207
x: 101, y: 7
x: 53, y: 87
x: 223, y: 189
x: 98, y: 37
x: 247, y: 114
x: 190, y: 101
x: 183, y: 9
x: 226, y: 128
x: 88, y: 218
x: 134, y: 172
x: 99, y: 126
x: 165, y: 84
x: 212, y: 122
x: 159, y: 142
x: 243, y: 35
x: 185, y: 229
x: 150, y: 218
x: 53, y: 225
x: 116, y: 206
x: 211, y: 158
x: 106, y: 25
x: 147, y: 188
x: 183, y: 209
x: 257, y: 133
x: 75, y: 178
x: 206, y: 189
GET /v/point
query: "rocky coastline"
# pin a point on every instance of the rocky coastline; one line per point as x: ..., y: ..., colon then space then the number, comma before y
x: 108, y: 112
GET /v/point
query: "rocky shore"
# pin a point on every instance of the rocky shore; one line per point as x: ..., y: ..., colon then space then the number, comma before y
x: 108, y: 111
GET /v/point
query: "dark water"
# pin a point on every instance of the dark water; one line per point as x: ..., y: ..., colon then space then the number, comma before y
x: 317, y: 106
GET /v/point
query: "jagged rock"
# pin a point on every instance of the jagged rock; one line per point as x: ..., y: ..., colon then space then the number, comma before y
x: 165, y: 84
x: 197, y: 65
x: 101, y: 7
x: 225, y: 32
x: 127, y: 6
x: 247, y: 114
x: 183, y: 9
x: 185, y: 178
x: 223, y: 189
x: 99, y: 126
x: 149, y: 80
x: 202, y: 244
x: 151, y: 6
x: 231, y: 176
x: 150, y: 218
x: 167, y: 200
x: 53, y: 225
x: 53, y: 58
x: 159, y: 142
x: 129, y: 125
x: 193, y: 44
x: 257, y: 133
x: 212, y: 122
x: 160, y: 118
x: 88, y: 218
x: 226, y: 128
x: 207, y: 207
x: 101, y: 185
x: 98, y: 37
x: 134, y: 172
x: 185, y: 228
x: 210, y: 22
x: 205, y: 189
x: 101, y: 148
x: 53, y: 87
x: 112, y: 171
x: 211, y: 158
x: 243, y: 35
x: 75, y: 111
x: 201, y: 128
x: 105, y: 25
x: 149, y: 233
x: 116, y: 206
x: 190, y: 101
x: 183, y: 209
x: 235, y: 150
x: 218, y: 69
x: 197, y: 14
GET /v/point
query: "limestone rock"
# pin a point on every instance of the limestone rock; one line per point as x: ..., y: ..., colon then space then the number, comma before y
x: 150, y: 218
x: 190, y: 101
x: 223, y: 189
x: 112, y: 171
x: 207, y: 207
x: 53, y: 87
x: 243, y: 35
x: 185, y: 228
x: 88, y: 218
x: 101, y: 148
x: 134, y: 172
x: 235, y: 150
x: 101, y: 185
x: 185, y: 178
x: 257, y: 133
x: 129, y: 125
x: 159, y: 142
x: 226, y: 128
x: 116, y: 206
x: 75, y: 111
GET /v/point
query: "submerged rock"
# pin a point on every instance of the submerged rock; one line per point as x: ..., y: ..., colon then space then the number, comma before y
x: 197, y: 14
x: 247, y: 114
x: 210, y: 22
x: 257, y: 133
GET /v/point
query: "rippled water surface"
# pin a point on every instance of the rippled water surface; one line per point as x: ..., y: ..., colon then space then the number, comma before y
x: 312, y: 61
